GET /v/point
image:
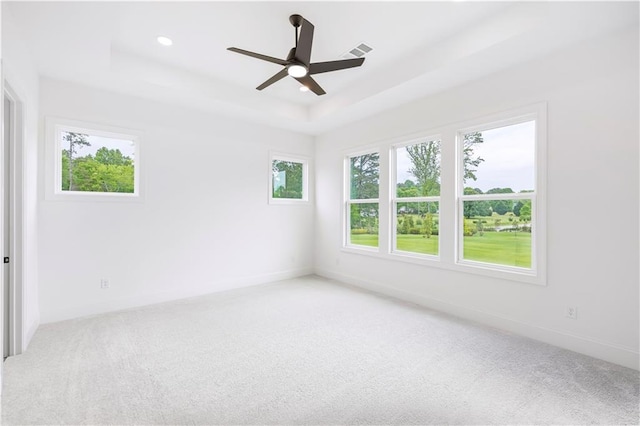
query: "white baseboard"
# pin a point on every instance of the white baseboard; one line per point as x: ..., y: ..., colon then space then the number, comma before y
x: 28, y: 335
x: 616, y: 354
x: 82, y: 310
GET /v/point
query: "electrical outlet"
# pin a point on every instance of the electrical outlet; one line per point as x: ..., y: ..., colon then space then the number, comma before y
x: 572, y: 312
x: 104, y: 283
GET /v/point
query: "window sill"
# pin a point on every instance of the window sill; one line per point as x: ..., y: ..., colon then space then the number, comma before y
x: 288, y: 201
x: 482, y: 269
x: 80, y: 196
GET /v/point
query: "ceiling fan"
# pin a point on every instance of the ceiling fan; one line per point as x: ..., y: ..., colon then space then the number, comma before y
x: 298, y: 63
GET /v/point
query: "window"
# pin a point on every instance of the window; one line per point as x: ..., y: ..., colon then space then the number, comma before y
x: 288, y: 182
x: 467, y: 197
x: 92, y: 161
x: 497, y: 194
x: 416, y: 199
x: 362, y: 205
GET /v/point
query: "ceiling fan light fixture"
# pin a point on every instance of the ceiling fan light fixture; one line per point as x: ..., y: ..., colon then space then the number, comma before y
x: 297, y: 70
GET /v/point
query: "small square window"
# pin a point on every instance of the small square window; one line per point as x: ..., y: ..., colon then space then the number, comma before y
x: 288, y: 181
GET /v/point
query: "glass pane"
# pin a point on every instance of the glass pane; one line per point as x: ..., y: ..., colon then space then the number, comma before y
x: 418, y: 170
x: 500, y: 160
x: 498, y: 231
x: 365, y: 175
x: 287, y: 179
x: 96, y: 164
x: 417, y: 227
x: 364, y: 224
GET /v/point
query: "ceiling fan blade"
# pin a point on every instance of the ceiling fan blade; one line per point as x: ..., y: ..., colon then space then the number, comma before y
x: 311, y: 84
x: 258, y: 56
x: 279, y: 76
x: 303, y: 47
x: 320, y: 67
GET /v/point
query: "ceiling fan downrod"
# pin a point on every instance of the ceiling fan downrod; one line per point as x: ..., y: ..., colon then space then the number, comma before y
x: 296, y: 21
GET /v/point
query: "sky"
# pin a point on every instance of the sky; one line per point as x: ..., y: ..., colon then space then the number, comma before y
x: 126, y: 147
x: 508, y: 154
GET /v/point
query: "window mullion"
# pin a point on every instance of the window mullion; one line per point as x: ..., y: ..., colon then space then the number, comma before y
x: 447, y: 197
x: 384, y: 230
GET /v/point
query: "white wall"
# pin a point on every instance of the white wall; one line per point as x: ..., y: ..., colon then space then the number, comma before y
x: 21, y: 75
x: 593, y: 124
x: 205, y: 224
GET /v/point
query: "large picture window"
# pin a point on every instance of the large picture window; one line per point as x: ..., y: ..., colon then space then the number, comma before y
x: 416, y: 200
x: 362, y: 205
x: 467, y: 197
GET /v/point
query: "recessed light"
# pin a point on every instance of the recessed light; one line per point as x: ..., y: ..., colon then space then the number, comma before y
x: 304, y: 89
x: 165, y: 41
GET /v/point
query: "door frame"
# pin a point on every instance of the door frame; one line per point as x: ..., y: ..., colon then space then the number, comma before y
x: 16, y: 137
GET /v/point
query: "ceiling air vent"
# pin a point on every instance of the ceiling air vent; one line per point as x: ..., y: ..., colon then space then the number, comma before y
x: 358, y: 51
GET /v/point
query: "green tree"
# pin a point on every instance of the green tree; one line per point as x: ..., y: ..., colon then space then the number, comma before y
x: 525, y: 211
x: 470, y: 161
x: 476, y: 208
x: 92, y: 176
x: 501, y: 206
x: 112, y: 157
x: 407, y: 224
x: 425, y: 166
x: 427, y: 225
x: 76, y: 141
x: 290, y: 171
x: 365, y: 176
x: 407, y: 189
x: 517, y: 208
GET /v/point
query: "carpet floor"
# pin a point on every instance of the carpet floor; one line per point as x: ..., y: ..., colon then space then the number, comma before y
x: 304, y: 351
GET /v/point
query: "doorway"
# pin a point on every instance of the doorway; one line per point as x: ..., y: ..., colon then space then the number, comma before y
x: 7, y: 237
x: 11, y: 221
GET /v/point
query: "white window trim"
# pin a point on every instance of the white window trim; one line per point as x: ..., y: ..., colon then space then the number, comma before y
x: 449, y: 202
x: 305, y: 178
x: 54, y: 126
x: 482, y: 126
x: 395, y: 199
x: 347, y: 201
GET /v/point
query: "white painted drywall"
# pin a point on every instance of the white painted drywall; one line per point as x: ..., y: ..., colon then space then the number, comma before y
x: 593, y: 122
x: 204, y: 224
x: 21, y: 74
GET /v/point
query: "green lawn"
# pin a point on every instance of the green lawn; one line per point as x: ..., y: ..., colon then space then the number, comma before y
x: 503, y: 248
x: 418, y: 244
x: 365, y: 240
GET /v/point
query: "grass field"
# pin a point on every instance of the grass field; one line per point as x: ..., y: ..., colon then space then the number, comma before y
x: 503, y: 248
x: 418, y: 244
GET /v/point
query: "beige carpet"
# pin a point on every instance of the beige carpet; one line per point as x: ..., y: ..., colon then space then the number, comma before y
x: 304, y: 351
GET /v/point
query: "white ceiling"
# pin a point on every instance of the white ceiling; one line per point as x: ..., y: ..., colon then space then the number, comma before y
x: 420, y: 48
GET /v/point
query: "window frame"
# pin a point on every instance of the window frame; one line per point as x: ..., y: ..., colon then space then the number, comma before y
x: 394, y: 199
x: 53, y: 185
x: 348, y: 201
x: 450, y: 206
x: 482, y: 126
x: 273, y: 156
